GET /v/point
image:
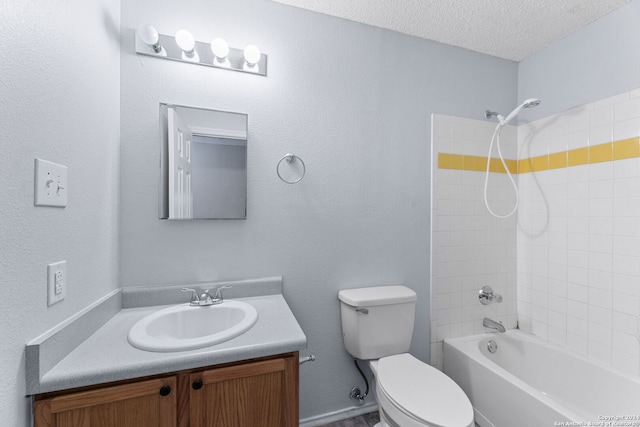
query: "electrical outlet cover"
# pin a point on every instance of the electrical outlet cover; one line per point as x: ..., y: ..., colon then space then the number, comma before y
x: 56, y: 282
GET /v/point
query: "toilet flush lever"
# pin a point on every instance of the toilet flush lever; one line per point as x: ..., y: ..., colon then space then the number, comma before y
x: 362, y: 310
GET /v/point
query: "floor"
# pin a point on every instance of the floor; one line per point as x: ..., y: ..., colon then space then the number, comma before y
x: 366, y: 420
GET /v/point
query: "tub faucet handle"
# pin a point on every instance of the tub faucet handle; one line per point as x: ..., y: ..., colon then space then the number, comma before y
x: 487, y: 296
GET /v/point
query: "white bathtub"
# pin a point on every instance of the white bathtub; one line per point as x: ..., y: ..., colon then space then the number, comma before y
x: 529, y: 383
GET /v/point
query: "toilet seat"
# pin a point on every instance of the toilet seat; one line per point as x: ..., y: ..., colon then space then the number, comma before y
x: 422, y: 392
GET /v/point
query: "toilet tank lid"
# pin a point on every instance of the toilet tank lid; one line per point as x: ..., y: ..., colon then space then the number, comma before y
x: 377, y: 295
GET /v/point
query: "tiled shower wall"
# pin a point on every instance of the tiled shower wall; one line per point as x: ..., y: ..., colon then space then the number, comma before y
x: 470, y: 248
x: 578, y: 230
x: 576, y: 278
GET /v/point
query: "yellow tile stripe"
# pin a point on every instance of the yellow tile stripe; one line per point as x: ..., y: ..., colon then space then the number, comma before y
x: 474, y: 163
x: 610, y: 151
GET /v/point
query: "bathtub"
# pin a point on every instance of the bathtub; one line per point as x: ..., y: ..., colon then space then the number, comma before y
x: 529, y: 383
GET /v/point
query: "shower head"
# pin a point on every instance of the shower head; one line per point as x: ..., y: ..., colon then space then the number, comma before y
x: 529, y: 103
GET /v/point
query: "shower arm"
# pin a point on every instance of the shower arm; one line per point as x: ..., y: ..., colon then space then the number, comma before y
x: 488, y: 114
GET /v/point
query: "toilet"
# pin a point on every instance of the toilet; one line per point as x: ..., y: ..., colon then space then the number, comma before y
x: 377, y: 325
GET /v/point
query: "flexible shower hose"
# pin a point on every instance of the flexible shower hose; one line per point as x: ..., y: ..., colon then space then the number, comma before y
x: 496, y: 138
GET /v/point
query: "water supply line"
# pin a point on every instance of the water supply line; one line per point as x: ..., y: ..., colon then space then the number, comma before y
x: 310, y: 358
x: 355, y: 392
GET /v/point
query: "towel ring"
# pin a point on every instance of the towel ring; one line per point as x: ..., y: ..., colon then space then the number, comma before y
x: 290, y: 158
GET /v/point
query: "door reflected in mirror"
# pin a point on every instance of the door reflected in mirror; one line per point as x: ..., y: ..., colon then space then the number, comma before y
x: 203, y: 163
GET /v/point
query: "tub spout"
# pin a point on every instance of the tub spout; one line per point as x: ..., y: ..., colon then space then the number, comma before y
x: 486, y: 322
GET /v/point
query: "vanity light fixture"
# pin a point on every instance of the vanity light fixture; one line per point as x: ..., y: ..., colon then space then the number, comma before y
x: 149, y: 35
x: 183, y: 47
x: 187, y: 43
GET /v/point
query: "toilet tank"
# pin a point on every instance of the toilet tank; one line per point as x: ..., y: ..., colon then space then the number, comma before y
x: 377, y: 321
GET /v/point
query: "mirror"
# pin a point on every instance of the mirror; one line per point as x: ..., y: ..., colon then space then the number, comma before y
x: 203, y: 163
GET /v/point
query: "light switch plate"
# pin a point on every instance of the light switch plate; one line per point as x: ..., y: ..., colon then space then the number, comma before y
x: 56, y: 282
x: 50, y: 184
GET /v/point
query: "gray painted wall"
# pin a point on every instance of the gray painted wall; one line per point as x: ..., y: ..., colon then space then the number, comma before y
x: 355, y: 103
x: 59, y: 83
x: 600, y: 60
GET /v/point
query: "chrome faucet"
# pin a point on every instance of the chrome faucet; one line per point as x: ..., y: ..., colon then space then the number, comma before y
x: 205, y: 298
x: 488, y: 323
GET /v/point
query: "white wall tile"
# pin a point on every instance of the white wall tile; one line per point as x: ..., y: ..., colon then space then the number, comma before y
x: 578, y: 310
x: 611, y: 100
x: 626, y: 110
x: 601, y: 134
x: 600, y: 334
x: 578, y: 293
x: 626, y: 129
x: 626, y: 265
x: 626, y: 168
x: 624, y: 284
x: 625, y: 323
x: 578, y: 119
x: 626, y: 343
x: 576, y: 326
x: 578, y: 344
x: 626, y: 304
x: 601, y: 116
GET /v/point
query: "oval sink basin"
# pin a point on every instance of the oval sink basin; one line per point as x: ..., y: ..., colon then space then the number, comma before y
x: 185, y: 327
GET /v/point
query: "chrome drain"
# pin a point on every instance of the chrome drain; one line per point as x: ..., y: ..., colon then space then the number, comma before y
x: 492, y: 346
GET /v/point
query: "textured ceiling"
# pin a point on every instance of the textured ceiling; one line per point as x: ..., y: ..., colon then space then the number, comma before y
x: 510, y: 29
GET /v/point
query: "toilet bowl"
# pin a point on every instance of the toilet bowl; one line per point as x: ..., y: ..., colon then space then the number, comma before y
x: 377, y: 326
x: 411, y: 393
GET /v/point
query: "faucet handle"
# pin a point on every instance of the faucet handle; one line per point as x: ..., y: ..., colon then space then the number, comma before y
x: 194, y: 294
x: 218, y: 295
x: 487, y: 296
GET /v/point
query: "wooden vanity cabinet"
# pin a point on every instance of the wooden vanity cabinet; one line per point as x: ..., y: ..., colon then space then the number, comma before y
x: 258, y: 393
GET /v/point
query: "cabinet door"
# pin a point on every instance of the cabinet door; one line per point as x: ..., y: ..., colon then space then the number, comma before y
x: 146, y: 403
x: 259, y: 394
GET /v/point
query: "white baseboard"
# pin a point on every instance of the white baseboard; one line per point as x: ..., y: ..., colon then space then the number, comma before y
x: 342, y: 414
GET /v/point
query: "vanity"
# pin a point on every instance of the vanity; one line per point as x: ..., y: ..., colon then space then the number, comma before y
x: 103, y: 380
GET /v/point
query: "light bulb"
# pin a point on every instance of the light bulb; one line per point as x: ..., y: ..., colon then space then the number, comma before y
x: 251, y: 57
x: 187, y: 43
x: 185, y: 40
x: 220, y: 48
x: 149, y: 35
x: 252, y: 54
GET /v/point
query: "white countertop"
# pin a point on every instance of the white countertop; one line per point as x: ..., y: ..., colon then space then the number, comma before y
x: 107, y: 356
